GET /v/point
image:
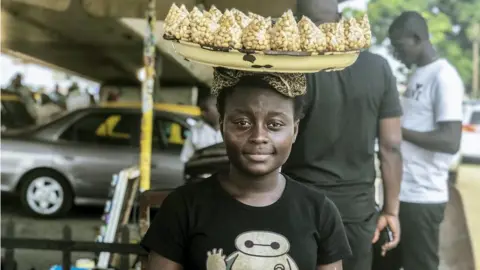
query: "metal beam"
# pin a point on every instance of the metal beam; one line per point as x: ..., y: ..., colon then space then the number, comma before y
x: 47, y: 244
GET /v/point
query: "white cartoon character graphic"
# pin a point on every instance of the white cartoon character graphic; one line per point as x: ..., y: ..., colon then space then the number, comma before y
x: 255, y: 250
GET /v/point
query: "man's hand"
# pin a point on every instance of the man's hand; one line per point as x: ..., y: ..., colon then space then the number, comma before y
x: 393, y: 223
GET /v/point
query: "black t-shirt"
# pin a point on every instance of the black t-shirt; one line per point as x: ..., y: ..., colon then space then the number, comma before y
x: 334, y: 150
x: 301, y: 230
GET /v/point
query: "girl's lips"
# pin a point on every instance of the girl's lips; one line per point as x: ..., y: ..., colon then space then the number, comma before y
x: 257, y: 157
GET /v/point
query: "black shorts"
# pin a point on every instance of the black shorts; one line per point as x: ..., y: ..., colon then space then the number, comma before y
x: 360, y: 237
x: 419, y: 243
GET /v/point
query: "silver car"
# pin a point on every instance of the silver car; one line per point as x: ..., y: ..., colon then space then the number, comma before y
x: 71, y: 160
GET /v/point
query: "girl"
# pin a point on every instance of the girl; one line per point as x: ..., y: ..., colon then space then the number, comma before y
x: 252, y: 217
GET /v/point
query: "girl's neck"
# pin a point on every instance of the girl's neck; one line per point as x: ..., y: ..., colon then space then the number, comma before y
x: 254, y: 191
x: 243, y: 183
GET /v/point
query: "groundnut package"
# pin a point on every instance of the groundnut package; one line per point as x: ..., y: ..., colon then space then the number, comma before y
x: 233, y: 29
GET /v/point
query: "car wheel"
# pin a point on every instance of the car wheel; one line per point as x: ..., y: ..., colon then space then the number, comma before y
x: 46, y: 194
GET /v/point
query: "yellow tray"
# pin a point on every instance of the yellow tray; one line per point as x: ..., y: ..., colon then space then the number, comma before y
x: 265, y: 61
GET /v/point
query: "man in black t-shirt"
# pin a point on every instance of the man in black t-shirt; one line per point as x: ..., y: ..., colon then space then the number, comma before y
x: 345, y: 112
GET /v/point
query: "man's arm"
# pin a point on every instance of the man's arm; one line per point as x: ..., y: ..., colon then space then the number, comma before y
x: 390, y: 138
x: 445, y: 138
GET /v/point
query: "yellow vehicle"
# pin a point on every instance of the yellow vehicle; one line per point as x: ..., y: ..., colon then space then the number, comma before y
x: 173, y: 131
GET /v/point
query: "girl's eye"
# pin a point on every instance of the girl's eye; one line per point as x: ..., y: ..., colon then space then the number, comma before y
x: 275, y: 125
x: 243, y: 123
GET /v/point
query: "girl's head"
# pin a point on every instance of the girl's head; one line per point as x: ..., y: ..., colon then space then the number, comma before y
x: 259, y: 116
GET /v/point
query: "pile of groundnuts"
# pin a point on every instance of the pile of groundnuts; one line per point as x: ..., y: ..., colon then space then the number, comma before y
x: 234, y: 29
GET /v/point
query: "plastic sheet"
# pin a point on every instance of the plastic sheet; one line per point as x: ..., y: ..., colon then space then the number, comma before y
x: 195, y: 19
x: 335, y: 33
x: 364, y: 23
x: 174, y: 18
x: 229, y: 33
x: 312, y: 39
x: 354, y: 36
x: 204, y: 33
x: 256, y: 36
x: 242, y: 19
x: 285, y: 34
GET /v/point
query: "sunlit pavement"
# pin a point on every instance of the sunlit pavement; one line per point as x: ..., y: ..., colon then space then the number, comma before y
x: 469, y: 188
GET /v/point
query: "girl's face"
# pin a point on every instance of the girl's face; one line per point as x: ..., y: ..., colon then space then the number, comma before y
x: 258, y: 129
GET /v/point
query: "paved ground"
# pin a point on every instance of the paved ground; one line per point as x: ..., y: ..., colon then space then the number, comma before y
x: 83, y: 220
x: 469, y: 188
x: 456, y: 251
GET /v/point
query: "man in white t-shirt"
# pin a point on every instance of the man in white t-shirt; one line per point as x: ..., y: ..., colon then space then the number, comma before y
x: 76, y: 99
x: 431, y: 127
x: 205, y: 132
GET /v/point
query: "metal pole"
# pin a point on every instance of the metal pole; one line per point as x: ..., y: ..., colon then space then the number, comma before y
x: 67, y: 254
x: 147, y: 98
x: 475, y: 74
x: 475, y: 37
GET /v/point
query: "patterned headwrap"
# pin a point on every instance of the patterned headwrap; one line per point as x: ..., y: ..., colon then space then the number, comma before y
x: 288, y: 84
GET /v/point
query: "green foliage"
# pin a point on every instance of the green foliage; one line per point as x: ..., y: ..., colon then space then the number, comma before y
x: 444, y: 18
x: 350, y: 12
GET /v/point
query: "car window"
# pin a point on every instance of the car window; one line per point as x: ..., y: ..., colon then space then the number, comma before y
x: 131, y: 128
x: 475, y: 120
x: 105, y: 129
x: 171, y: 132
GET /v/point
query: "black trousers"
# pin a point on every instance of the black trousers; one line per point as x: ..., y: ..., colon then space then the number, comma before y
x: 419, y: 243
x: 360, y: 237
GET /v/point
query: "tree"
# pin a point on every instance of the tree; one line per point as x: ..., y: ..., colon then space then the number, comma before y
x: 449, y: 21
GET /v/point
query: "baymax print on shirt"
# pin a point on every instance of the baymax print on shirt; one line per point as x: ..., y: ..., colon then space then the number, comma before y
x: 255, y: 250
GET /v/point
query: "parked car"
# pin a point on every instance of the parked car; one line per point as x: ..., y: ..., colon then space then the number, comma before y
x: 206, y: 162
x: 14, y: 111
x: 470, y: 145
x: 72, y: 159
x: 469, y: 152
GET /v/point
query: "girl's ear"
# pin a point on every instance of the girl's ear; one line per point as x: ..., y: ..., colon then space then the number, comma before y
x: 220, y: 125
x: 295, y: 130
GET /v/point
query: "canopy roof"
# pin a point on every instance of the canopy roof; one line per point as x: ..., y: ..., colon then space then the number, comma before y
x: 90, y: 38
x: 137, y: 8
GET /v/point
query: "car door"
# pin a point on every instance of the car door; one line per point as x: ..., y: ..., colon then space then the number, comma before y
x: 97, y: 146
x: 167, y: 168
x: 470, y: 147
